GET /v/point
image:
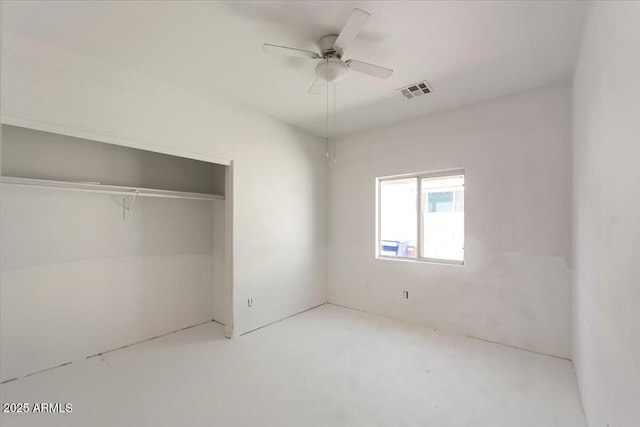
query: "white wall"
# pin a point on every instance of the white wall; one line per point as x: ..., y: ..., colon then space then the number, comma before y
x: 77, y: 279
x: 606, y: 215
x: 515, y: 285
x: 279, y: 172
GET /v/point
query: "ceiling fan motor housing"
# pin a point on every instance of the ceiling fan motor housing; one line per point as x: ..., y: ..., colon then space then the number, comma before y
x: 332, y: 70
x: 327, y: 48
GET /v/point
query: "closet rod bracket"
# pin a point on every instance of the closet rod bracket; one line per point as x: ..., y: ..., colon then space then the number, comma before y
x: 125, y: 208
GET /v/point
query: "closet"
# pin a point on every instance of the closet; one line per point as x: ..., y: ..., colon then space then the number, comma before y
x: 103, y: 246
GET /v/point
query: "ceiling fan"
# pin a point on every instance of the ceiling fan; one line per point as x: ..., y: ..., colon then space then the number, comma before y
x: 332, y: 68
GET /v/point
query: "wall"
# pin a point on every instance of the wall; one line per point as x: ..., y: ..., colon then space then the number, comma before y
x: 279, y: 172
x: 606, y: 216
x: 78, y: 280
x: 515, y: 285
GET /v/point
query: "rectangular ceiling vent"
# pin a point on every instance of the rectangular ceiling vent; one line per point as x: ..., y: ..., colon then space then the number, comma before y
x: 416, y: 89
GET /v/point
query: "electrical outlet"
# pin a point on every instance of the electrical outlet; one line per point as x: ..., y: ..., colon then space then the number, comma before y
x: 405, y: 294
x: 250, y: 302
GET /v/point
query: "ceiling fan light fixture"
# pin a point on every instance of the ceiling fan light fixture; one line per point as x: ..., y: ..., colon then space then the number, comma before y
x: 332, y: 70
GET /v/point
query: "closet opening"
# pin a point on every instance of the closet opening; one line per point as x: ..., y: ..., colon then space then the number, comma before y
x: 105, y: 245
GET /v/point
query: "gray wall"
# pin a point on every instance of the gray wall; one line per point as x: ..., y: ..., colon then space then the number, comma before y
x: 606, y: 215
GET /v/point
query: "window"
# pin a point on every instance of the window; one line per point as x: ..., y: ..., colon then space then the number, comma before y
x: 421, y: 217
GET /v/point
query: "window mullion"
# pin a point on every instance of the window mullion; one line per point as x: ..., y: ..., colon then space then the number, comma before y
x: 419, y: 216
x: 378, y: 217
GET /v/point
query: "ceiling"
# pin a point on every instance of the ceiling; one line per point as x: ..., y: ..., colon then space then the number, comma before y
x: 467, y: 50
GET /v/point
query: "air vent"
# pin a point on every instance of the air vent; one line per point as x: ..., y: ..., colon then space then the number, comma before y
x: 416, y: 89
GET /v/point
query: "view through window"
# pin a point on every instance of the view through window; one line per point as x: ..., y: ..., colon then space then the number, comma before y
x: 422, y: 217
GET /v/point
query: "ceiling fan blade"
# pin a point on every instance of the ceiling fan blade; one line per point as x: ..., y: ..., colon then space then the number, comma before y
x: 370, y: 69
x: 289, y: 51
x: 351, y: 29
x: 316, y: 86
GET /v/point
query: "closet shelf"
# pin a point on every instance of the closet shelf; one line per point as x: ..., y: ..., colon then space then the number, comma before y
x: 106, y: 189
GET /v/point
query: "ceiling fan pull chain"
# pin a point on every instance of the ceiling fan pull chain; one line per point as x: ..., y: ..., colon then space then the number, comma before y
x: 327, y: 105
x: 334, y: 123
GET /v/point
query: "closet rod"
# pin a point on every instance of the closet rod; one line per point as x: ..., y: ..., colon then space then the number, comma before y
x: 106, y: 189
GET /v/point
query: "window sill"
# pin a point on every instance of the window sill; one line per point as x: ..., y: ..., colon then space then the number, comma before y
x: 422, y: 260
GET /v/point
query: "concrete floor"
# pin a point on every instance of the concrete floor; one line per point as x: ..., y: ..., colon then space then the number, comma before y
x: 329, y: 366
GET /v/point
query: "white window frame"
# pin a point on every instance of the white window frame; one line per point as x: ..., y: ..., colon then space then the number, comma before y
x: 419, y: 207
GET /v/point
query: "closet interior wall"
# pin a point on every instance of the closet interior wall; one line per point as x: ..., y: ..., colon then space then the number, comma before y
x: 80, y: 275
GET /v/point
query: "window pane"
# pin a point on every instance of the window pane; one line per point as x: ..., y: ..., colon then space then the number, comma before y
x: 398, y: 217
x: 442, y: 218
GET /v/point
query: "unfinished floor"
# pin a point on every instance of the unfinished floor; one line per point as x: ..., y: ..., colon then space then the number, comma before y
x: 329, y: 366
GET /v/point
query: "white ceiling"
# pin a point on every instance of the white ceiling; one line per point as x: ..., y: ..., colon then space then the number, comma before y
x: 467, y: 50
